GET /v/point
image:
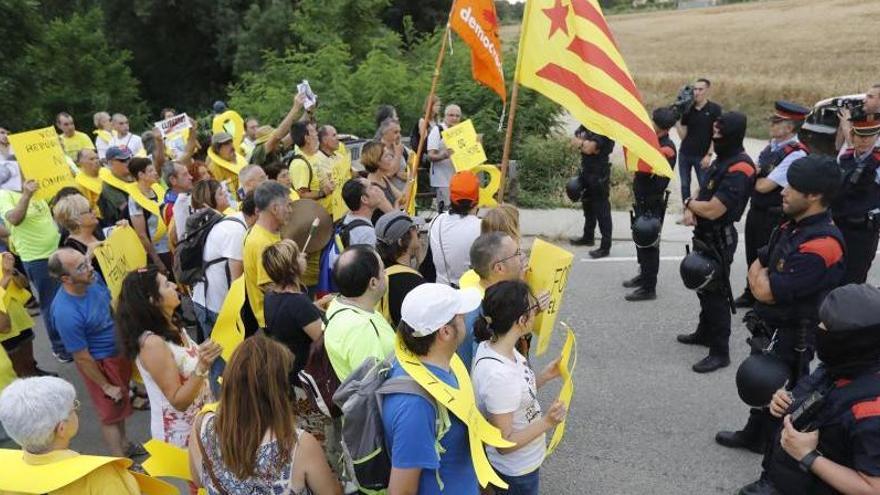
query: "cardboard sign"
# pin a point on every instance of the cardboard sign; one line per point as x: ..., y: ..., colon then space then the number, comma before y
x: 41, y: 158
x: 548, y: 271
x: 566, y: 367
x: 490, y: 189
x: 229, y: 328
x: 118, y: 255
x: 173, y: 125
x: 467, y: 152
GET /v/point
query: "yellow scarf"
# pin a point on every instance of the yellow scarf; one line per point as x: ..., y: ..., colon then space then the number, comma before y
x: 131, y: 188
x: 461, y: 402
x: 105, y: 135
x: 92, y: 184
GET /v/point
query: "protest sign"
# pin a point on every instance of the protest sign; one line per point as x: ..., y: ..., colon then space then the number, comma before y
x: 567, y: 362
x: 229, y: 328
x: 548, y: 271
x: 467, y: 152
x: 490, y: 188
x: 166, y: 460
x: 311, y: 99
x: 173, y: 125
x: 41, y: 158
x: 118, y: 255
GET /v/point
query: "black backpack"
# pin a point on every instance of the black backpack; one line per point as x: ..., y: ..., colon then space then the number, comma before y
x: 189, y: 265
x: 344, y: 230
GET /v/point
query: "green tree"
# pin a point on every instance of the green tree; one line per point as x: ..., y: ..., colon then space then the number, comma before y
x: 20, y: 24
x: 265, y: 28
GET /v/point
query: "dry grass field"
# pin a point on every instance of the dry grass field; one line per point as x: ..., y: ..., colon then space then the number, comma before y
x: 755, y: 53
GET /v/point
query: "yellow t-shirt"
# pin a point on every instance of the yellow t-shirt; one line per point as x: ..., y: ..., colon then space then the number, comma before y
x: 307, y: 174
x: 79, y: 141
x: 338, y: 166
x: 470, y: 280
x: 256, y: 241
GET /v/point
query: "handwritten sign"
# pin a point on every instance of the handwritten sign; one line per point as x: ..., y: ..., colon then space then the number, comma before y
x: 41, y: 159
x: 567, y: 361
x: 229, y: 328
x: 174, y: 124
x: 467, y: 152
x: 121, y: 253
x: 548, y: 271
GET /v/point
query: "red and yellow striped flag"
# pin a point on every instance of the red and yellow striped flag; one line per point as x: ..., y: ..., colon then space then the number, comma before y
x: 568, y: 54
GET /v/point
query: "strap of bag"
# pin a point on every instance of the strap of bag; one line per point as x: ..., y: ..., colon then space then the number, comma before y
x: 206, y: 460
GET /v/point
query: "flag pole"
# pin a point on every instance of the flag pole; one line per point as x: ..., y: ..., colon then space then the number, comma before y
x: 429, y: 104
x: 514, y: 96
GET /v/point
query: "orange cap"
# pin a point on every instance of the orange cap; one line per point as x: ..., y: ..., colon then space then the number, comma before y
x: 464, y: 186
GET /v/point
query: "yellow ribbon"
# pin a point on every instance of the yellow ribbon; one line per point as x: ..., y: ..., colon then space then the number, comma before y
x: 144, y: 202
x: 105, y: 135
x: 461, y: 402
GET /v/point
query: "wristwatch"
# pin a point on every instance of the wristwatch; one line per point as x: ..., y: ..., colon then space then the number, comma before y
x: 687, y: 201
x: 808, y: 460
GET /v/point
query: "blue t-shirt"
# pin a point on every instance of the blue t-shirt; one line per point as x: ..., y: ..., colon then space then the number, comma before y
x: 410, y: 432
x: 468, y: 346
x: 85, y: 322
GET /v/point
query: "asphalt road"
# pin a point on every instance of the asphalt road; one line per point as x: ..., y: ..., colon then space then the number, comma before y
x: 641, y: 421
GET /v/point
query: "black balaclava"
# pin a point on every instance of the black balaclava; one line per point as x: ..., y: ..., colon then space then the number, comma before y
x: 732, y: 126
x: 849, y: 345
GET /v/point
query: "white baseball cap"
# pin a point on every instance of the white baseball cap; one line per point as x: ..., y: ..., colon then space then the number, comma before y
x: 429, y: 307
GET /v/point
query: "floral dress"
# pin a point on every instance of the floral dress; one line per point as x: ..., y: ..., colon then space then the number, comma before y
x: 167, y: 423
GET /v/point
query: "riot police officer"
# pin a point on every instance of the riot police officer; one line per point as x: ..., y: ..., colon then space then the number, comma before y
x: 765, y: 211
x: 717, y: 206
x: 596, y: 183
x: 803, y: 261
x: 830, y: 438
x: 857, y: 209
x: 649, y: 210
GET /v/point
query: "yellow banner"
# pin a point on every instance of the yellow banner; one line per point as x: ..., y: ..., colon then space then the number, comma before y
x: 467, y: 152
x: 41, y: 158
x: 567, y: 362
x: 121, y: 253
x: 548, y: 271
x: 229, y: 328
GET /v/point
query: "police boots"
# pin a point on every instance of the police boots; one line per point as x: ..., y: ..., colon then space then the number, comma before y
x: 754, y: 436
x: 641, y: 294
x: 583, y: 240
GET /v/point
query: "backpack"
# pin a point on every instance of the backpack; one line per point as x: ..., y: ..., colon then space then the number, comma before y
x: 189, y: 264
x: 318, y: 378
x: 364, y: 450
x: 340, y: 240
x: 344, y: 230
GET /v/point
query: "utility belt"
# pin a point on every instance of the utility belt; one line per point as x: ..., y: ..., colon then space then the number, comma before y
x: 717, y: 235
x: 769, y: 210
x: 867, y: 221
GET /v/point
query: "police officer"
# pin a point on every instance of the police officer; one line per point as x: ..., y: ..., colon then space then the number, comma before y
x: 790, y: 277
x: 596, y: 182
x: 649, y: 210
x: 830, y: 438
x: 857, y: 209
x: 717, y: 206
x: 765, y: 212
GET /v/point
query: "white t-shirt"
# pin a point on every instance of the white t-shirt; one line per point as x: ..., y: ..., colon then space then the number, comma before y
x: 441, y: 171
x: 226, y: 240
x: 503, y: 386
x: 135, y: 210
x: 131, y: 141
x: 451, y: 237
x: 182, y: 211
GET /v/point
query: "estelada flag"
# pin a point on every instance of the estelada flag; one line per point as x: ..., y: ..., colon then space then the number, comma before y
x: 477, y: 25
x: 568, y: 54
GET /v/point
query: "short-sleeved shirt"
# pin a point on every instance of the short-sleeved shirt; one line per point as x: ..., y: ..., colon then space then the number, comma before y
x: 410, y: 428
x: 287, y: 314
x: 131, y: 141
x: 699, y: 129
x: 451, y: 237
x: 306, y: 173
x: 255, y: 242
x: 352, y: 335
x: 84, y: 322
x: 360, y: 234
x: 259, y: 156
x: 441, y: 170
x: 79, y: 141
x: 226, y: 240
x: 152, y: 221
x: 779, y: 174
x: 733, y: 188
x: 37, y: 236
x: 503, y: 386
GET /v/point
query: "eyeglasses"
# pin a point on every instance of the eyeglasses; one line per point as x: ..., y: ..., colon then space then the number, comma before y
x: 516, y: 254
x: 83, y: 267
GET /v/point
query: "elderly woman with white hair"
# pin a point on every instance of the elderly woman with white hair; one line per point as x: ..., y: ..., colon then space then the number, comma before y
x: 40, y: 415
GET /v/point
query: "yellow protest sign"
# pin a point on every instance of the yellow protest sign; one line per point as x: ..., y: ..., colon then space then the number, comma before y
x: 119, y: 254
x: 41, y: 158
x: 488, y: 190
x: 230, y: 122
x: 229, y: 328
x: 548, y: 271
x: 166, y: 460
x: 467, y: 152
x: 567, y: 361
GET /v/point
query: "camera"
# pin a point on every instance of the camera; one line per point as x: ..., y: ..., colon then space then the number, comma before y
x: 683, y: 101
x: 848, y: 103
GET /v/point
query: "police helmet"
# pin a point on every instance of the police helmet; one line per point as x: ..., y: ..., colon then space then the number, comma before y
x: 574, y: 188
x: 646, y: 231
x: 697, y: 270
x: 759, y: 377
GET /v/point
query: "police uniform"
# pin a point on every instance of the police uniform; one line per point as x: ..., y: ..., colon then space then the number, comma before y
x: 857, y: 208
x: 649, y: 193
x: 841, y: 399
x: 730, y: 178
x: 765, y: 211
x: 596, y: 181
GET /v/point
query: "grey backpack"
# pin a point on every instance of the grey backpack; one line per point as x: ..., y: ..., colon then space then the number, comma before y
x: 366, y: 456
